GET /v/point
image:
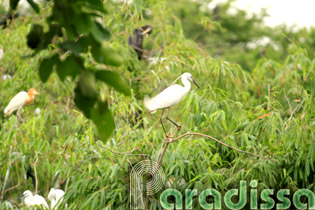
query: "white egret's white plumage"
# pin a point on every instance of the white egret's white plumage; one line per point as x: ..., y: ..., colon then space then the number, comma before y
x: 170, y: 96
x: 56, y: 197
x: 34, y: 201
x: 19, y: 100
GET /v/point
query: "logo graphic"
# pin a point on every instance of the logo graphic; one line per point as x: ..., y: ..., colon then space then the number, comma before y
x: 146, y: 178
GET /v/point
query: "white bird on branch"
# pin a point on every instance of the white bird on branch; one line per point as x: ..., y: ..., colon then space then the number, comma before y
x: 56, y: 197
x: 169, y: 97
x: 34, y: 201
x: 19, y: 100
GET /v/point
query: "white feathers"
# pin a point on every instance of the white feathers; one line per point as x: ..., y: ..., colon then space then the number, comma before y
x: 17, y: 102
x: 33, y: 201
x: 170, y: 96
x: 6, y: 76
x: 167, y: 98
x: 56, y: 197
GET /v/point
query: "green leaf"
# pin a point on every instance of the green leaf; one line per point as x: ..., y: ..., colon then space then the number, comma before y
x: 99, y: 32
x: 13, y: 4
x: 87, y: 84
x: 106, y: 55
x: 103, y: 119
x: 83, y: 23
x: 34, y: 37
x: 114, y: 80
x: 34, y: 5
x: 97, y: 5
x: 46, y: 67
x: 74, y: 47
x: 83, y: 102
x: 69, y: 67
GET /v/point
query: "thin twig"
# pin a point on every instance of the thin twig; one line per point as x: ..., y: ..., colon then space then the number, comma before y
x: 207, y: 136
x: 291, y: 115
x: 35, y: 171
x: 268, y: 106
x: 129, y: 153
x: 160, y: 160
x: 285, y: 95
x: 12, y: 188
x: 154, y: 42
x: 6, y: 175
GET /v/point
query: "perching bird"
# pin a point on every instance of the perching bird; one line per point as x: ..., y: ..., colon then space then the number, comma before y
x: 170, y: 96
x: 56, y: 197
x: 19, y: 100
x: 34, y: 201
x: 136, y: 40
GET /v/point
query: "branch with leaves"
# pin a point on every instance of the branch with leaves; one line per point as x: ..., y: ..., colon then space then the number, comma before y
x: 74, y: 29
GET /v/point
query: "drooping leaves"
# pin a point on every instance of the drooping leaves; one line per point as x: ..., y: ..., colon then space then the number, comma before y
x: 73, y: 29
x: 99, y: 32
x: 34, y: 38
x: 34, y: 5
x: 69, y: 67
x: 46, y: 67
x: 114, y: 80
x: 103, y: 119
x: 106, y: 56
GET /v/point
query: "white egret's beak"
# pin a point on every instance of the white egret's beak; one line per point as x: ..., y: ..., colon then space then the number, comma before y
x: 21, y: 196
x: 195, y: 82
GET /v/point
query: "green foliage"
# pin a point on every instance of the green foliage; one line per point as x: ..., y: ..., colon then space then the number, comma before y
x: 70, y: 37
x: 267, y: 109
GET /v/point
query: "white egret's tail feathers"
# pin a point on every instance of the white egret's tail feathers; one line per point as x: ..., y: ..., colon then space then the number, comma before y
x: 8, y: 111
x: 148, y: 103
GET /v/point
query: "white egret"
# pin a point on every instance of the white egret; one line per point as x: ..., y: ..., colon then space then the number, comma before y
x: 34, y: 201
x: 56, y: 197
x: 169, y: 97
x: 19, y: 100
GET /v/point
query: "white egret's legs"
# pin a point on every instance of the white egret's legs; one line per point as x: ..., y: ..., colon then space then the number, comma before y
x: 161, y: 120
x: 168, y: 111
x: 19, y: 115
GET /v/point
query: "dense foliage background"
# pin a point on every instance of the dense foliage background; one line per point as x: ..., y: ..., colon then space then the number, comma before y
x: 255, y: 95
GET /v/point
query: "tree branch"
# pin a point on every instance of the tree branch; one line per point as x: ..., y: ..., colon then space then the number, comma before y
x: 35, y: 171
x: 220, y: 142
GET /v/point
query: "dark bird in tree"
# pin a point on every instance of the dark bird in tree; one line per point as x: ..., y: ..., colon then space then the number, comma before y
x: 30, y: 174
x: 136, y: 40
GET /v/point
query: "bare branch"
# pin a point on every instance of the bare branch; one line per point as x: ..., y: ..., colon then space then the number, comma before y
x: 207, y: 136
x: 35, y: 171
x: 129, y: 153
x: 291, y: 115
x: 286, y: 98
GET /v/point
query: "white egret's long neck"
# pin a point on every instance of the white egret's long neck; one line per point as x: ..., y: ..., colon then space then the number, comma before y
x: 186, y: 83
